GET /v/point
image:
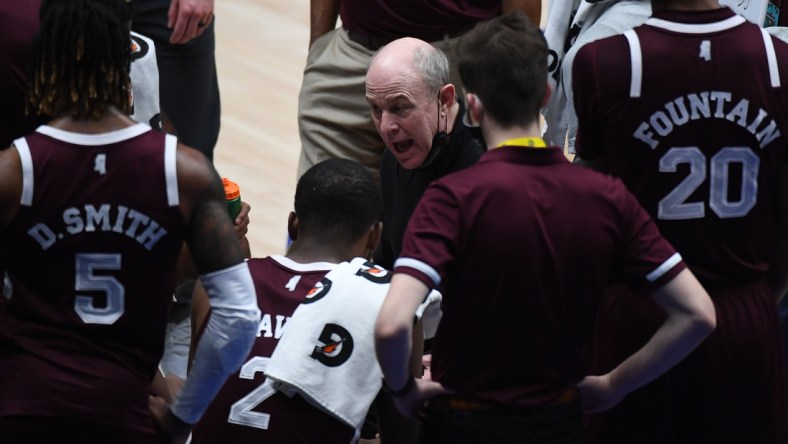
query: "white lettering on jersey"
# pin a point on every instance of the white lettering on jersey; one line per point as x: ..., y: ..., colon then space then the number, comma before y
x: 267, y: 328
x: 291, y: 284
x: 43, y: 235
x: 100, y: 165
x: 102, y: 218
x: 707, y: 105
x: 705, y: 50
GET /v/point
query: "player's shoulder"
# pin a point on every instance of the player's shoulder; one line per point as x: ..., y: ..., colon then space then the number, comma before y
x: 196, y: 174
x: 779, y: 37
x: 614, y: 48
x: 10, y: 182
x: 601, y: 62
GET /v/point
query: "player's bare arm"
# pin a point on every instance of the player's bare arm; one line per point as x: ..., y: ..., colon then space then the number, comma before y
x: 323, y: 16
x: 210, y: 234
x: 10, y: 187
x: 187, y: 271
x: 393, y: 425
x: 393, y: 343
x: 10, y: 184
x: 394, y: 328
x: 691, y: 318
x: 218, y: 256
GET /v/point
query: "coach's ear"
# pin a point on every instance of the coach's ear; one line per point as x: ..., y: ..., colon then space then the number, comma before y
x: 373, y: 237
x: 292, y: 225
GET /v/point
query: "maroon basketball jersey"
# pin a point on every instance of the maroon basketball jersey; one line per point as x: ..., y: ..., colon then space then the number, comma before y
x: 247, y: 409
x: 690, y: 111
x: 90, y: 255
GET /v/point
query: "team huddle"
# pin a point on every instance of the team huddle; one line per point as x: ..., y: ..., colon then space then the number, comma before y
x: 464, y: 280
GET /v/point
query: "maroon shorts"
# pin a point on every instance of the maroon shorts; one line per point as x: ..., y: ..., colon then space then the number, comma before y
x: 730, y: 389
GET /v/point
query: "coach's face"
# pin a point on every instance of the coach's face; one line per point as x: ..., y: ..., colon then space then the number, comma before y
x: 405, y: 113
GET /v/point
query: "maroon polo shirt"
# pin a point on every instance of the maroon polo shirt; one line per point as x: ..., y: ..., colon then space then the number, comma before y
x: 523, y: 245
x: 426, y: 20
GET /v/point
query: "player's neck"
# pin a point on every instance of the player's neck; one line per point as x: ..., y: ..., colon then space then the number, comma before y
x: 685, y: 5
x: 110, y: 120
x: 495, y: 135
x: 306, y: 251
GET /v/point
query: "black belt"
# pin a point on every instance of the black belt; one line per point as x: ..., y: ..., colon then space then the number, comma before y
x: 374, y: 43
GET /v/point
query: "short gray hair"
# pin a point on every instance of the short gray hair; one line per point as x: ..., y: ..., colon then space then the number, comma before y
x: 433, y: 66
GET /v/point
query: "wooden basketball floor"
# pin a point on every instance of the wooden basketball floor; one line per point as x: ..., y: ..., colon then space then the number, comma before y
x: 260, y: 55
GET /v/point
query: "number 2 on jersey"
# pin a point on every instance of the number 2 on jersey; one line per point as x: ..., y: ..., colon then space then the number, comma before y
x: 241, y: 412
x: 674, y: 206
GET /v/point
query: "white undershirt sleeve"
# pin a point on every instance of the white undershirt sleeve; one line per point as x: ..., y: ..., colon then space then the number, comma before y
x: 225, y: 342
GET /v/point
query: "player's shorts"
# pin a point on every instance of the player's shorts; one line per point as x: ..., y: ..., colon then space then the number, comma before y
x: 731, y: 389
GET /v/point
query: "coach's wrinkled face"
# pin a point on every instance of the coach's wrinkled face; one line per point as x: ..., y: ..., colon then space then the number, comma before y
x: 405, y: 113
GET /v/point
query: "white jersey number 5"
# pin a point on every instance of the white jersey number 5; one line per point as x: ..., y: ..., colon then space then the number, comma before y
x: 86, y: 280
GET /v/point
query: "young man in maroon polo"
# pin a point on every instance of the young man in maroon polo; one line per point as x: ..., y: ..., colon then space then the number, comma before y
x: 525, y: 243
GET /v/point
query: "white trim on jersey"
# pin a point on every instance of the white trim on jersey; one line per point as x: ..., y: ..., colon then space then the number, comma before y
x: 94, y: 139
x: 419, y: 266
x: 696, y: 28
x: 771, y: 56
x: 664, y: 268
x: 636, y: 58
x: 302, y: 268
x: 170, y: 169
x: 27, y: 171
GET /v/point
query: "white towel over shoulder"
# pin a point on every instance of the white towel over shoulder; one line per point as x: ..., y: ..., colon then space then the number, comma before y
x: 327, y: 353
x: 144, y: 77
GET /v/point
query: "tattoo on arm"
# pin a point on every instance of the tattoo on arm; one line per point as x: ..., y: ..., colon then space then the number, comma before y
x: 211, y: 236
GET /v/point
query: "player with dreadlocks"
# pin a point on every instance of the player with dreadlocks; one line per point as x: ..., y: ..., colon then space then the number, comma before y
x: 70, y: 77
x: 94, y: 209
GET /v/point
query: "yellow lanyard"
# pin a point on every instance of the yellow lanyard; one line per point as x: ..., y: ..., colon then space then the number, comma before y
x: 530, y: 142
